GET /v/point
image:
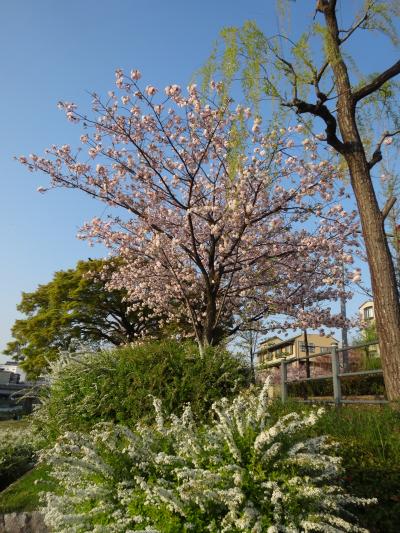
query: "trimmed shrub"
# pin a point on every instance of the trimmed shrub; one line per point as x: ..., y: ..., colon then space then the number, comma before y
x: 350, y: 386
x: 118, y: 385
x: 241, y: 473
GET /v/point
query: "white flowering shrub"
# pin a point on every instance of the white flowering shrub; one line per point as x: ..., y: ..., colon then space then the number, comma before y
x: 242, y: 473
x: 17, y: 453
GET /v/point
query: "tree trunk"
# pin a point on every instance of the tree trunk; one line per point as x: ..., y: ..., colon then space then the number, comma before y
x: 201, y: 348
x: 383, y: 279
x: 253, y: 353
x: 211, y: 317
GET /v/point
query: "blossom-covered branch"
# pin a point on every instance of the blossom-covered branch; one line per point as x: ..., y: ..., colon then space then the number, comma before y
x: 211, y: 212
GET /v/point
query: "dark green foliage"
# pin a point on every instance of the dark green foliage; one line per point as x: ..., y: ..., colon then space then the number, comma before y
x: 24, y: 494
x: 14, y: 464
x: 352, y: 386
x: 370, y: 449
x: 367, y: 334
x: 369, y: 439
x: 16, y: 457
x: 118, y: 385
x: 73, y: 308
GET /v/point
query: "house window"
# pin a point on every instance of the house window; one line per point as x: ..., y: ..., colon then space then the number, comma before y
x: 311, y: 347
x: 368, y: 312
x: 325, y: 349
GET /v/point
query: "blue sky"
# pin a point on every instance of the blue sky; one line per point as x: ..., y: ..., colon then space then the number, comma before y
x: 52, y: 50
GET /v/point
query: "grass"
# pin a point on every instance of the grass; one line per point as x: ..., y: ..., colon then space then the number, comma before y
x: 16, y: 450
x: 6, y: 425
x: 23, y: 494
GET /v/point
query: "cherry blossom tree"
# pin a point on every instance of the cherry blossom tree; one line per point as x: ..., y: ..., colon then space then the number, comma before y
x: 211, y: 213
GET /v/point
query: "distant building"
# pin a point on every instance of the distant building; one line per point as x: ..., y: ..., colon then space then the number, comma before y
x: 12, y: 366
x: 275, y: 348
x: 7, y: 377
x: 367, y: 317
x: 367, y: 311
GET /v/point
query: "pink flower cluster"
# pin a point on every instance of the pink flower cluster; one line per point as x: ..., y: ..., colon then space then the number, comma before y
x: 208, y: 223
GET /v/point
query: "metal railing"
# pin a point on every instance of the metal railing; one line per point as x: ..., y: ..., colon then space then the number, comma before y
x: 335, y: 376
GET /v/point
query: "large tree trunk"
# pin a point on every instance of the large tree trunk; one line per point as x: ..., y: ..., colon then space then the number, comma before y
x: 383, y: 279
x: 206, y: 331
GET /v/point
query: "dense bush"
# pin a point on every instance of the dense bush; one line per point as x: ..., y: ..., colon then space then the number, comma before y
x: 351, y: 386
x: 242, y: 473
x: 118, y: 385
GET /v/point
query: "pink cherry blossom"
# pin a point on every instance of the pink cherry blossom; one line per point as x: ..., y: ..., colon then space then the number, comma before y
x: 135, y: 74
x: 151, y: 90
x: 206, y: 228
x: 356, y: 277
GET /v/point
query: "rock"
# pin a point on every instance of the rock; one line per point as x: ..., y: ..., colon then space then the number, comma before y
x: 22, y: 523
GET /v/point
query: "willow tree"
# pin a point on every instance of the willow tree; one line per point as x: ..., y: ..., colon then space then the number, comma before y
x: 313, y: 76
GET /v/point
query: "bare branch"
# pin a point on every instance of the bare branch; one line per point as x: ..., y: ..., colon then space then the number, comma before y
x: 377, y: 155
x: 388, y: 206
x: 355, y: 27
x: 320, y: 74
x: 294, y: 74
x: 320, y: 110
x: 377, y: 82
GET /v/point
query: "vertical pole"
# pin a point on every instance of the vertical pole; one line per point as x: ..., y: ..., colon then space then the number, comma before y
x: 337, y: 393
x: 308, y: 366
x: 284, y: 391
x: 343, y: 312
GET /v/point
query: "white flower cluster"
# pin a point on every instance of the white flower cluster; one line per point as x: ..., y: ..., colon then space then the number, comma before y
x: 243, y: 473
x: 18, y: 437
x: 18, y: 449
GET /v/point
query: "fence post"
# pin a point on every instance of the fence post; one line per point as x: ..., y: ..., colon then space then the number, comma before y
x: 284, y: 388
x: 337, y: 393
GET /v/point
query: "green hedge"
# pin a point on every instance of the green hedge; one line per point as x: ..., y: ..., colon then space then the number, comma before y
x: 351, y: 386
x: 118, y: 385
